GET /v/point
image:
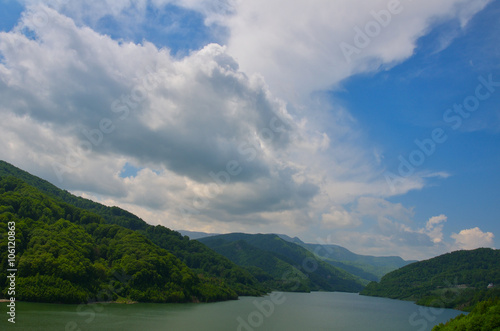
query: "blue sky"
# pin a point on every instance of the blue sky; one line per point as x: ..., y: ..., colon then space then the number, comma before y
x: 407, y: 102
x: 179, y: 29
x: 230, y: 116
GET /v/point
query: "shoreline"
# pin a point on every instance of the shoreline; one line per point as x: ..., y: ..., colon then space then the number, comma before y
x: 129, y: 302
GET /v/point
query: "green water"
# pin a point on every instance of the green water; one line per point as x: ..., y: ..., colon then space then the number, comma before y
x: 280, y: 311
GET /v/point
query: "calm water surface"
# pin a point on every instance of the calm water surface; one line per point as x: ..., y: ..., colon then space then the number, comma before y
x: 279, y: 311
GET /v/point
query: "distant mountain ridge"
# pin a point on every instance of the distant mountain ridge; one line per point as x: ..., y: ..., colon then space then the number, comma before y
x: 193, y: 235
x: 368, y: 268
x: 282, y: 265
x: 372, y: 266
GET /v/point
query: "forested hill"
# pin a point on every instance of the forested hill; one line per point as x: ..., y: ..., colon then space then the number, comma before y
x: 68, y: 248
x: 485, y: 316
x: 369, y: 268
x: 365, y: 267
x: 282, y: 265
x: 455, y: 280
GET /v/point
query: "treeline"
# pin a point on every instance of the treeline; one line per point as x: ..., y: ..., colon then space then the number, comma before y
x: 70, y: 255
x: 485, y: 316
x: 453, y: 280
x: 368, y: 268
x: 206, y: 263
x: 282, y: 265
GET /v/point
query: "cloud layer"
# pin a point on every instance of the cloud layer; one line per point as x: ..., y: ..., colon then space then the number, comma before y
x: 212, y: 130
x: 228, y: 138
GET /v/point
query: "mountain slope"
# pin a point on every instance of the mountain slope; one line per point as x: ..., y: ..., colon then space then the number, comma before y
x: 196, y: 235
x: 485, y: 316
x: 66, y: 254
x: 367, y: 267
x: 203, y: 261
x: 291, y: 266
x: 455, y: 280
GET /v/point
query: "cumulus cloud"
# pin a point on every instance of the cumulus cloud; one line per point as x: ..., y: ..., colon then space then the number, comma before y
x: 394, y: 231
x: 473, y: 238
x: 434, y: 228
x: 192, y: 115
x: 299, y: 51
x: 217, y: 139
x: 215, y: 136
x: 218, y: 150
x: 338, y: 217
x: 381, y: 208
x: 410, y: 241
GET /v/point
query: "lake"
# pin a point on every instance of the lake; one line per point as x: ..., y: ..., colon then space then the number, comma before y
x: 277, y: 311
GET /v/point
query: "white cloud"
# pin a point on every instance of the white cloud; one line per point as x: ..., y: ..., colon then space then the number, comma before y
x: 338, y: 218
x: 300, y: 161
x: 190, y: 119
x: 434, y: 228
x: 299, y: 50
x: 381, y: 208
x: 394, y: 231
x: 91, y: 11
x: 88, y: 104
x: 473, y: 238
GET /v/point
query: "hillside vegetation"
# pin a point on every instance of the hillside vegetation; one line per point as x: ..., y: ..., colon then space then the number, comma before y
x: 369, y: 268
x: 366, y: 268
x: 280, y: 264
x: 484, y: 317
x: 195, y: 255
x: 453, y: 280
x: 66, y: 254
x: 70, y: 249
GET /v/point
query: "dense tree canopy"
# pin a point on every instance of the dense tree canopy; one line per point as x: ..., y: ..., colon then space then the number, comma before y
x: 67, y: 254
x: 207, y: 264
x: 282, y: 265
x: 453, y: 280
x: 484, y: 317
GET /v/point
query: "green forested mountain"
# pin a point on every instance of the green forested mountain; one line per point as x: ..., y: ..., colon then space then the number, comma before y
x: 453, y: 280
x: 280, y: 264
x: 369, y: 268
x: 66, y: 254
x: 196, y: 234
x: 485, y: 316
x: 71, y: 249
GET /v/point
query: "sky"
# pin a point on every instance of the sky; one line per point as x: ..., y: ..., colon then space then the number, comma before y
x: 370, y: 124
